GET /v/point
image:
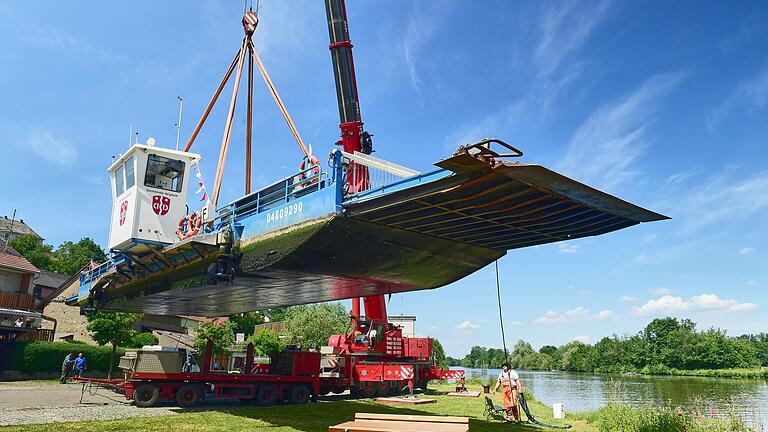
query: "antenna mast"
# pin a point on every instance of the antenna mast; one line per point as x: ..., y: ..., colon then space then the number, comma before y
x: 178, y: 124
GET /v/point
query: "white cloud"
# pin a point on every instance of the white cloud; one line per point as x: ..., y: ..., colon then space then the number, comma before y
x: 564, y: 29
x: 578, y: 314
x: 420, y: 29
x: 582, y: 338
x: 50, y: 148
x: 566, y: 248
x: 605, y: 147
x: 514, y: 323
x: 628, y: 298
x: 433, y: 328
x: 752, y: 92
x: 704, y: 302
x: 746, y: 250
x: 467, y: 327
x: 752, y: 283
x: 58, y: 40
x: 719, y: 200
x: 587, y: 293
x: 660, y: 291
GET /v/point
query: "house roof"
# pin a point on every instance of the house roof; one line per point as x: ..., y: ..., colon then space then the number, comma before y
x: 50, y: 279
x: 9, y: 258
x: 61, y: 287
x: 16, y: 226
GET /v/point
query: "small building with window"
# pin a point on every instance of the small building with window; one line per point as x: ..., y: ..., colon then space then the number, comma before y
x: 149, y: 196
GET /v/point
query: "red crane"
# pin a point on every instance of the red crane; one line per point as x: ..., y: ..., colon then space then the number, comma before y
x: 353, y: 137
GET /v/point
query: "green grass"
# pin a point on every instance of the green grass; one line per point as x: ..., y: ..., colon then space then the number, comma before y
x: 317, y: 417
x: 50, y: 381
x: 623, y: 418
x: 307, y: 418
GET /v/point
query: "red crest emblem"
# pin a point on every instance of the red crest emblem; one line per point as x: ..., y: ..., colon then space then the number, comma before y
x: 161, y: 205
x: 123, y: 211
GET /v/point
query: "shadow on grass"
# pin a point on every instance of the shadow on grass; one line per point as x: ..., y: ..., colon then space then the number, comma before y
x: 316, y: 417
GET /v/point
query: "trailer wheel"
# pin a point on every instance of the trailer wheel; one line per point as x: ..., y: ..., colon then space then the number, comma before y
x: 267, y: 395
x: 146, y: 395
x: 189, y: 395
x: 299, y: 395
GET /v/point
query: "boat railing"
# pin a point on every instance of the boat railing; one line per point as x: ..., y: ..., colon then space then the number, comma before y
x: 94, y: 272
x: 365, y: 172
x: 283, y: 191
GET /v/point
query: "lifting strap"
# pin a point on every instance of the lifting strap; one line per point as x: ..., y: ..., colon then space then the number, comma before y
x: 250, y: 21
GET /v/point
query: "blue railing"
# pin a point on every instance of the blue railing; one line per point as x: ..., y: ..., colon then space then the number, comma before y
x: 281, y: 192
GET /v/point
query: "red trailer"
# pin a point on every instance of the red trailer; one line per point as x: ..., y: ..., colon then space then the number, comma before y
x: 292, y: 377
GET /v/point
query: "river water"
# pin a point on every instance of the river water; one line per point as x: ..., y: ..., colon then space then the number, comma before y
x: 584, y: 392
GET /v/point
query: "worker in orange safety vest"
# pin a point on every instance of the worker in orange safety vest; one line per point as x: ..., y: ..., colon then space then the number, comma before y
x: 511, y: 386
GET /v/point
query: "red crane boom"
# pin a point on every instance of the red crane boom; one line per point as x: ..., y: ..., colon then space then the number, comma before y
x: 353, y: 137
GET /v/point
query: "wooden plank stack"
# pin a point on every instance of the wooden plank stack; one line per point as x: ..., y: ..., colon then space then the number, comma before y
x: 371, y: 422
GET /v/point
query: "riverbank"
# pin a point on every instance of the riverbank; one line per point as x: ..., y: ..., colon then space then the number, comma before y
x: 747, y: 373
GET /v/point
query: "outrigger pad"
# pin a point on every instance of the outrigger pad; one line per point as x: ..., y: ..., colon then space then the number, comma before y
x: 502, y: 206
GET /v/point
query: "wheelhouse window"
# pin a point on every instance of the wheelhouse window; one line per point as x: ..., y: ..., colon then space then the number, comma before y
x: 164, y: 173
x: 119, y: 180
x: 130, y: 177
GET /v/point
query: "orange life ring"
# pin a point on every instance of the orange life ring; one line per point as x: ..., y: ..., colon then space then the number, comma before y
x: 314, y: 164
x: 189, y: 226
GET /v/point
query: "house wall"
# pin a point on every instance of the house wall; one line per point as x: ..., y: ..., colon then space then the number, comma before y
x: 68, y: 317
x: 10, y: 281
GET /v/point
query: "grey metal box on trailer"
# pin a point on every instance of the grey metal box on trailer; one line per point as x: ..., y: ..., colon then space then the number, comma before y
x: 152, y: 361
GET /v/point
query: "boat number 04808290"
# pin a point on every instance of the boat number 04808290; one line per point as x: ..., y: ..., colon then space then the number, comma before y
x: 286, y: 211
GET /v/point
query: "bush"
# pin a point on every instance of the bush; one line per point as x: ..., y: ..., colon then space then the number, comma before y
x: 140, y: 339
x: 40, y: 356
x: 619, y: 417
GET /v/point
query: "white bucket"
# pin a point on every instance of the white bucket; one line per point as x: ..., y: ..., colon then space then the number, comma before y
x: 558, y: 411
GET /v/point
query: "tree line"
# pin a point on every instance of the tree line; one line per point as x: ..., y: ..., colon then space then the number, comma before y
x: 67, y: 259
x: 665, y: 343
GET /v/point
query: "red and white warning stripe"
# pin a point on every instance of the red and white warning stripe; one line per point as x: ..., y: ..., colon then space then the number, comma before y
x: 406, y: 371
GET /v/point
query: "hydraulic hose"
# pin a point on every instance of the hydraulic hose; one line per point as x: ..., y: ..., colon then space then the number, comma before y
x: 522, y: 403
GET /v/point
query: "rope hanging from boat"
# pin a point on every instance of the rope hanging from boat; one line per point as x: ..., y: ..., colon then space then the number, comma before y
x: 501, y: 318
x: 521, y: 401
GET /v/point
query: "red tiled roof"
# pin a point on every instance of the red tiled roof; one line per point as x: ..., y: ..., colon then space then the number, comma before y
x: 17, y: 263
x: 11, y: 259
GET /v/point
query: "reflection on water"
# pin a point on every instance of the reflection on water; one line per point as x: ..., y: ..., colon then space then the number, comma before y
x: 583, y: 392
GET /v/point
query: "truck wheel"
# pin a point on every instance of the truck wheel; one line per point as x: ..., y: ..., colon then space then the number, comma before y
x: 338, y: 390
x: 382, y: 388
x: 324, y: 391
x: 299, y: 395
x: 189, y: 395
x: 422, y: 384
x: 146, y: 395
x: 368, y: 389
x: 267, y: 395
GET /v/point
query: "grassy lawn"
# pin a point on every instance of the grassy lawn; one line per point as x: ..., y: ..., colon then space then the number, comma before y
x: 26, y: 383
x: 312, y: 417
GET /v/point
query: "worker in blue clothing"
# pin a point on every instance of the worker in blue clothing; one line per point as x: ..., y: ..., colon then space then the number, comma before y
x: 80, y: 364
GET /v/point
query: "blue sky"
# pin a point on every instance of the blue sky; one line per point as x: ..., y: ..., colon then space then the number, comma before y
x: 664, y: 104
